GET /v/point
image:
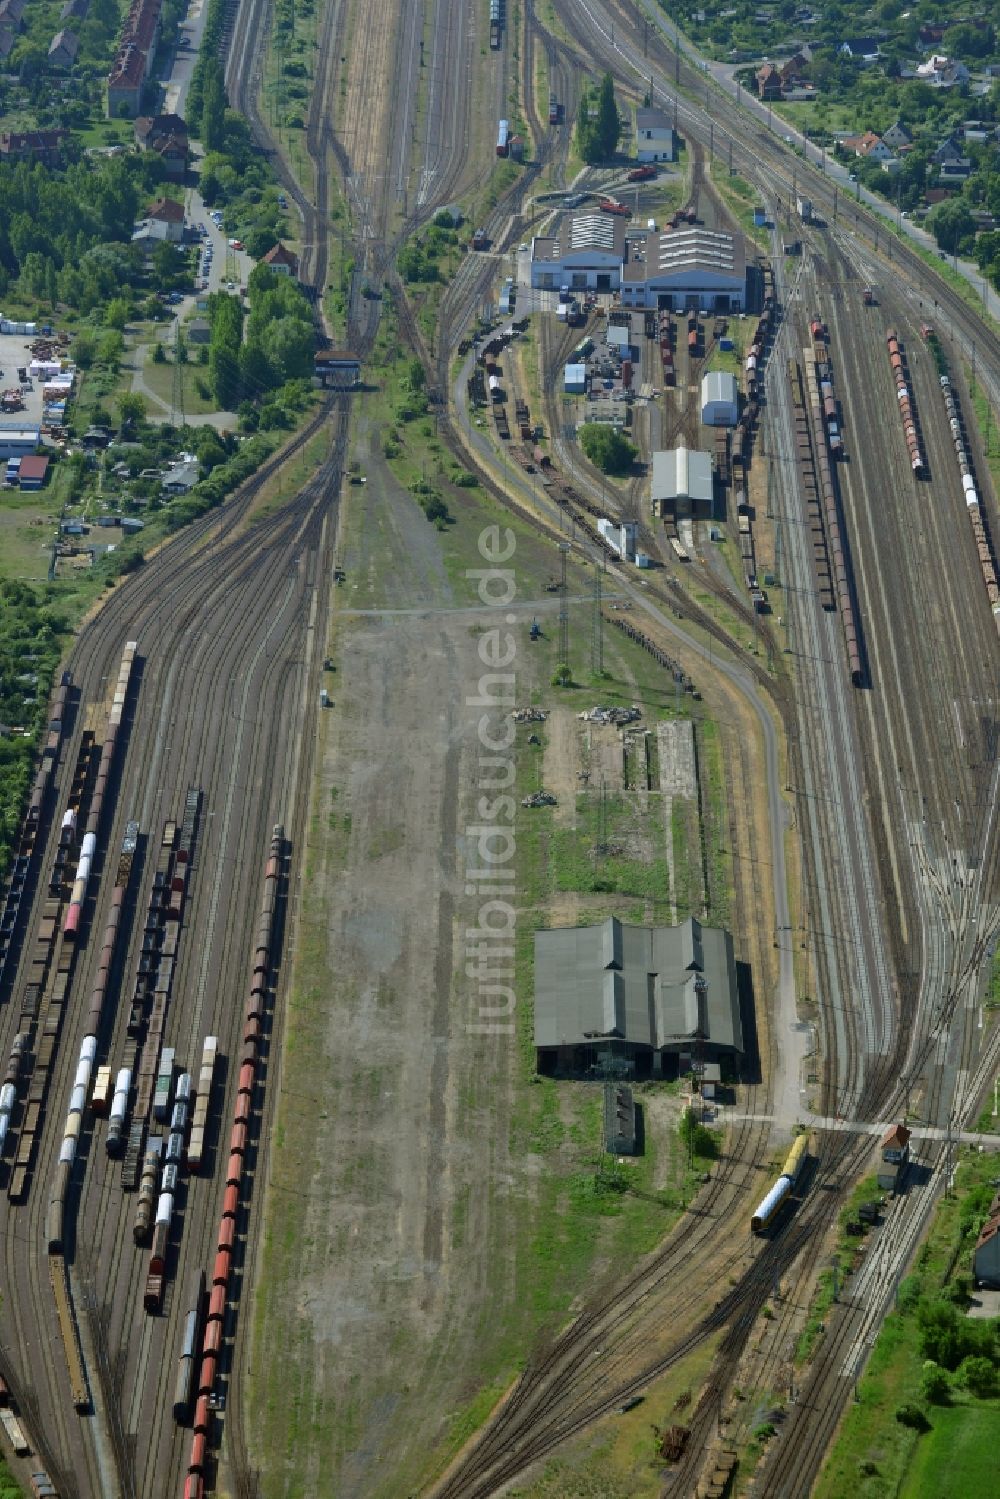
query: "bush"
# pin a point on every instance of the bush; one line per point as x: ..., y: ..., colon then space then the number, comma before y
x: 978, y: 1374
x: 912, y: 1416
x: 935, y: 1385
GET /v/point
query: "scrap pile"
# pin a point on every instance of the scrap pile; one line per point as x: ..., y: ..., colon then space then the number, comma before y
x: 529, y: 715
x: 612, y: 715
x: 538, y: 799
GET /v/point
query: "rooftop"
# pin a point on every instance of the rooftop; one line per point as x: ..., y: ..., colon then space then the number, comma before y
x: 648, y: 986
x: 652, y: 119
x: 682, y: 471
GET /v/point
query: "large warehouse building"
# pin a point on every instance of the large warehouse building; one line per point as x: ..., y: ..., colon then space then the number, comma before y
x: 676, y: 268
x: 682, y: 484
x: 585, y: 255
x: 635, y: 1001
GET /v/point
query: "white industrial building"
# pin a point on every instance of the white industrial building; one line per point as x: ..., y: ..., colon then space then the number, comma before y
x: 18, y: 442
x: 682, y: 484
x: 654, y: 136
x: 586, y: 254
x: 720, y: 406
x: 621, y: 536
x: 575, y: 380
x: 688, y: 267
x: 685, y: 268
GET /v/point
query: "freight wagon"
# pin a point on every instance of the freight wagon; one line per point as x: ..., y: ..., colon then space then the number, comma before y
x: 503, y: 139
x: 791, y: 1171
x: 553, y: 110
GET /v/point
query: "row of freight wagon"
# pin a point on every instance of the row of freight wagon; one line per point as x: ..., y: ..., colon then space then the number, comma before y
x: 49, y: 975
x: 974, y: 510
x: 14, y: 905
x: 497, y: 18
x: 200, y: 1373
x: 907, y: 412
x: 819, y: 371
x: 810, y: 486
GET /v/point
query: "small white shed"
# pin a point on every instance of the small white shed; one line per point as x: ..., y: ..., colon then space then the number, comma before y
x: 575, y: 380
x: 720, y: 405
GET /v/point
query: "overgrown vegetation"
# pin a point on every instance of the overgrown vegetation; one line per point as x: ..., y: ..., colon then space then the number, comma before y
x: 927, y: 1412
x: 608, y: 449
x: 31, y: 637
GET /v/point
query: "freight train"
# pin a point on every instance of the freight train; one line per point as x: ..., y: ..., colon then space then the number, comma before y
x: 202, y: 1387
x: 906, y: 412
x: 786, y: 1183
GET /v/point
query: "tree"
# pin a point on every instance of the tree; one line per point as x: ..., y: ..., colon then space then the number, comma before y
x: 131, y: 408
x: 607, y: 449
x: 116, y: 313
x: 213, y: 109
x: 586, y: 131
x: 609, y: 125
x: 158, y: 355
x: 951, y: 223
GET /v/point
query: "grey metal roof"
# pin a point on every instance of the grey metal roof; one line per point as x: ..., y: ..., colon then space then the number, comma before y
x: 649, y: 986
x: 718, y: 385
x: 681, y: 472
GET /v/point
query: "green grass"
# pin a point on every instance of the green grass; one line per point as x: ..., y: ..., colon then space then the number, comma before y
x: 986, y: 421
x: 740, y: 198
x: 958, y: 1456
x: 160, y: 379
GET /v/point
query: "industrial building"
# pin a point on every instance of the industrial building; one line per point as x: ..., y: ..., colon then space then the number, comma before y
x: 617, y: 1000
x: 683, y: 268
x: 682, y: 484
x: 18, y: 442
x: 575, y: 380
x: 720, y: 405
x: 586, y: 254
x: 689, y: 267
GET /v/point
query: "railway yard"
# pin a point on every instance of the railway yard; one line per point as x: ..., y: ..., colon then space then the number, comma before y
x: 248, y: 1102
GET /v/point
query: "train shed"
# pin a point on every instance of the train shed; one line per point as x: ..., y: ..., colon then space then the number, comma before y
x: 720, y: 403
x: 617, y: 1000
x: 682, y: 484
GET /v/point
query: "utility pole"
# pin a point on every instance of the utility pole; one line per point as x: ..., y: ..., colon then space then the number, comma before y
x: 597, y: 627
x: 563, y: 609
x: 177, y: 415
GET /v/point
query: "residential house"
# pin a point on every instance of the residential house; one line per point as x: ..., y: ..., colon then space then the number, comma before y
x: 941, y: 72
x: 931, y: 34
x: 166, y: 219
x: 955, y: 171
x: 768, y: 82
x: 181, y: 476
x: 133, y: 60
x: 795, y: 72
x: 45, y: 146
x: 283, y: 262
x: 12, y: 12
x: 654, y: 136
x: 948, y: 150
x: 897, y: 137
x: 63, y: 49
x: 125, y: 81
x: 869, y: 145
x: 166, y: 136
x: 198, y: 331
x: 978, y: 132
x: 74, y: 10
x: 863, y: 49
x: 8, y: 37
